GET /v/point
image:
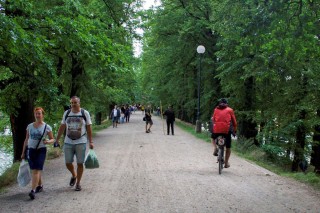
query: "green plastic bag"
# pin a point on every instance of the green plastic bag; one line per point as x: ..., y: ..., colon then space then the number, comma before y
x: 91, y: 161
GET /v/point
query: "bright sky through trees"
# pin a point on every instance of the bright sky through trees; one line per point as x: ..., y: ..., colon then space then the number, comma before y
x: 137, y: 44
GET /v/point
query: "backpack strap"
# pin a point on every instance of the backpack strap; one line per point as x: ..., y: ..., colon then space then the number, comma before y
x: 68, y: 112
x: 82, y: 115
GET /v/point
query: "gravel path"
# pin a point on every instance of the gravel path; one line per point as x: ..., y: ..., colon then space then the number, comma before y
x: 153, y: 172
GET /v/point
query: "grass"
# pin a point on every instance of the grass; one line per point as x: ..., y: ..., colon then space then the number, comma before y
x: 10, y: 175
x: 258, y: 156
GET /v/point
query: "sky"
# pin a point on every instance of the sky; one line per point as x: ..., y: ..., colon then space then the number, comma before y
x: 137, y: 44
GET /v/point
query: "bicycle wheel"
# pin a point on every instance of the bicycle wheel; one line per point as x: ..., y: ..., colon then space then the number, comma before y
x: 220, y: 159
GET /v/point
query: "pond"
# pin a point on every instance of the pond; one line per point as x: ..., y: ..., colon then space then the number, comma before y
x: 6, y: 160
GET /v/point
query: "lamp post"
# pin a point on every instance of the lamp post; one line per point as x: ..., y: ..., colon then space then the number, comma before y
x: 200, y: 50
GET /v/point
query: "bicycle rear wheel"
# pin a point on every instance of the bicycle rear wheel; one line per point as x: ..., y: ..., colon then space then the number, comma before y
x: 220, y: 159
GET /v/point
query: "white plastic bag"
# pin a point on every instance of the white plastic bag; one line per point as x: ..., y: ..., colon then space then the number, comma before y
x: 24, y: 176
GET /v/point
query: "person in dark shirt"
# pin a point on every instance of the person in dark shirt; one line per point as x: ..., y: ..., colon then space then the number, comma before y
x: 149, y: 122
x: 170, y: 117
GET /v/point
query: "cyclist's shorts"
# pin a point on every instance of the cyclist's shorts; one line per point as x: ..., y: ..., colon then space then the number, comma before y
x: 227, y: 136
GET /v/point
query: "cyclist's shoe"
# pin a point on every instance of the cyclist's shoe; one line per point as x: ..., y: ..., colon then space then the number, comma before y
x: 215, y: 153
x: 227, y: 165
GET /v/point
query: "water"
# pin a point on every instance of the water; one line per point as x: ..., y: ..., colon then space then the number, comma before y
x: 6, y: 160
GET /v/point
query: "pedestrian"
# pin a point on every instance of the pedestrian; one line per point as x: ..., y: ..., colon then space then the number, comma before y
x: 77, y: 123
x: 123, y: 111
x: 127, y: 114
x: 170, y: 117
x: 115, y: 113
x: 224, y: 124
x: 38, y: 135
x: 119, y: 114
x: 148, y: 116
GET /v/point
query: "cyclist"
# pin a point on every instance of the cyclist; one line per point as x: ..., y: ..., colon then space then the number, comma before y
x: 224, y: 124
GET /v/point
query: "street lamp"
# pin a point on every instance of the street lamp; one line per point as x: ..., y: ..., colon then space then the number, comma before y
x: 200, y: 50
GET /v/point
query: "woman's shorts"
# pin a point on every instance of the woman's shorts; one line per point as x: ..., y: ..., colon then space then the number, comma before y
x: 71, y: 150
x: 149, y: 122
x: 227, y: 136
x: 37, y: 158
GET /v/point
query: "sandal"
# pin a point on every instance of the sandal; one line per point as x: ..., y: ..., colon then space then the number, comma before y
x: 227, y: 165
x: 78, y: 187
x: 39, y: 189
x: 73, y: 181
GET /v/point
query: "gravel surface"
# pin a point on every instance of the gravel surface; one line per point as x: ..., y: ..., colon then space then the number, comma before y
x: 154, y: 172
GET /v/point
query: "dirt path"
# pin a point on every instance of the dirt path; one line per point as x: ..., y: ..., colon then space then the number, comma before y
x: 153, y: 172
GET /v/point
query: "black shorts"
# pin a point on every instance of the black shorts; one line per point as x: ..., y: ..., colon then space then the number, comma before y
x: 37, y: 158
x: 149, y: 122
x: 227, y: 136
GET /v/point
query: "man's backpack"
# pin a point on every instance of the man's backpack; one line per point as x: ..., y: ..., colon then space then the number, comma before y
x: 82, y: 115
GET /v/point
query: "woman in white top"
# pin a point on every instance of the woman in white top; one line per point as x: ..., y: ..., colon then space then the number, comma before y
x: 36, y: 140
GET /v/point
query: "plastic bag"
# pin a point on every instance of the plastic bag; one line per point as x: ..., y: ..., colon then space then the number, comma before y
x: 91, y: 161
x: 24, y: 176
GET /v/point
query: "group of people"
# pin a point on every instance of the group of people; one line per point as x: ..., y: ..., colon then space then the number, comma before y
x: 77, y: 123
x: 121, y: 114
x: 224, y: 124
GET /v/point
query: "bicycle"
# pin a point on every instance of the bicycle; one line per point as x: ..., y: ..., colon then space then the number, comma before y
x: 220, y: 141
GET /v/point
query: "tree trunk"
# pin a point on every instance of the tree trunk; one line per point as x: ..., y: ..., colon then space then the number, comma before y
x: 98, y: 118
x: 19, y: 125
x: 300, y: 143
x: 247, y: 127
x: 76, y: 71
x: 315, y: 155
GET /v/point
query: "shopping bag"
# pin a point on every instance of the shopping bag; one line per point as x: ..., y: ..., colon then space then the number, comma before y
x: 24, y: 176
x: 91, y: 161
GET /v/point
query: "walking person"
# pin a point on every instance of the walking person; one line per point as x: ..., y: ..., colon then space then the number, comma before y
x: 115, y: 113
x: 38, y: 135
x: 77, y: 123
x: 170, y: 117
x: 224, y: 124
x: 127, y: 114
x: 148, y: 116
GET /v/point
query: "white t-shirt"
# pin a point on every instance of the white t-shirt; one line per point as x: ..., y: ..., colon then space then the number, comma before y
x: 35, y: 135
x: 76, y: 132
x: 115, y: 113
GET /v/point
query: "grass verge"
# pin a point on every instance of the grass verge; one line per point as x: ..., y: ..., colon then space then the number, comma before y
x: 258, y: 156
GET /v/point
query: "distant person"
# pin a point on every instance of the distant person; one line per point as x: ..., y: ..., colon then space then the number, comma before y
x: 148, y: 116
x: 224, y: 124
x: 123, y: 110
x: 115, y: 114
x: 170, y: 117
x: 77, y: 122
x: 38, y: 135
x: 127, y: 114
